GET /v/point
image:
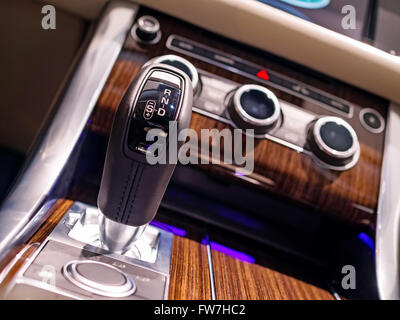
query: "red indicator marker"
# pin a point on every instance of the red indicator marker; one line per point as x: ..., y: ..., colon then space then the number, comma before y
x: 262, y: 74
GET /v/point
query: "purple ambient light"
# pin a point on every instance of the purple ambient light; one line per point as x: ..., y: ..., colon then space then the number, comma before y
x: 176, y: 231
x: 228, y: 251
x: 367, y: 240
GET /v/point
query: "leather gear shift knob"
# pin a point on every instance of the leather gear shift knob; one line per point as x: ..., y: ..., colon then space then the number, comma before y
x: 131, y: 189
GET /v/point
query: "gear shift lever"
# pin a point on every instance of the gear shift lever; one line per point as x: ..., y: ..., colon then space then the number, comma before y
x: 131, y: 189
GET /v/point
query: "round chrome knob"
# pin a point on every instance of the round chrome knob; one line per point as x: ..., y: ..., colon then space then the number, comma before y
x: 99, y: 278
x: 147, y: 29
x: 334, y: 142
x: 181, y: 64
x: 255, y: 107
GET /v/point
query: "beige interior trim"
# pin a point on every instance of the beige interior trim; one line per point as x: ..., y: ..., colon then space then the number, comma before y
x: 278, y: 32
x: 87, y: 9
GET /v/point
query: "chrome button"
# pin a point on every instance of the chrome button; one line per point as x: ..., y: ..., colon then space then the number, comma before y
x: 99, y: 278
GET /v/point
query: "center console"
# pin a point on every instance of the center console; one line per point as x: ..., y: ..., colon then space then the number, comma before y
x: 318, y: 149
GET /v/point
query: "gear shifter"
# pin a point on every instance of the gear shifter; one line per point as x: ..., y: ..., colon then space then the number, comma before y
x: 131, y: 189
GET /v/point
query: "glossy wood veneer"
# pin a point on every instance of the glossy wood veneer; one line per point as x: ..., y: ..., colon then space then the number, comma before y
x: 238, y: 280
x: 189, y: 277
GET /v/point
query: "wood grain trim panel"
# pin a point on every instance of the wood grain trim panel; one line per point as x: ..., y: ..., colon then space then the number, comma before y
x: 238, y: 280
x: 349, y: 195
x: 189, y: 275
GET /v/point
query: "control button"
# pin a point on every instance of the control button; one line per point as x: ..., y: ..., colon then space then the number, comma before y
x: 255, y: 107
x: 181, y: 64
x: 334, y: 142
x: 147, y: 30
x: 372, y: 120
x: 99, y: 278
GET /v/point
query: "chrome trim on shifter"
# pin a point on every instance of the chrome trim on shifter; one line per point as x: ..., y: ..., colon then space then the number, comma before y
x: 172, y: 57
x: 118, y: 237
x: 81, y: 94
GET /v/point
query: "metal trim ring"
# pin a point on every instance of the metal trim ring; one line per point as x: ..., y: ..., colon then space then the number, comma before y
x: 328, y: 150
x: 149, y: 29
x: 189, y: 65
x: 71, y: 273
x: 343, y: 167
x: 248, y: 118
x: 368, y: 127
x: 134, y: 36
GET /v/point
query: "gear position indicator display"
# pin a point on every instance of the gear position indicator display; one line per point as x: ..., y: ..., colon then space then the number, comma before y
x: 156, y: 106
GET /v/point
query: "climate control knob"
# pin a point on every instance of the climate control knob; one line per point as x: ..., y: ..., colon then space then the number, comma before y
x: 255, y: 107
x: 334, y: 142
